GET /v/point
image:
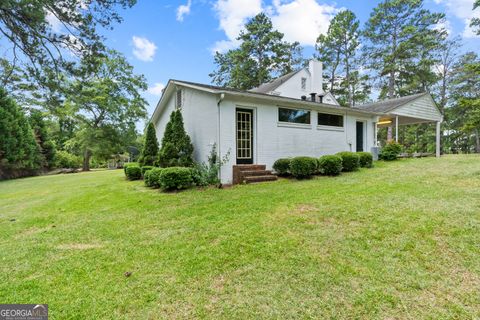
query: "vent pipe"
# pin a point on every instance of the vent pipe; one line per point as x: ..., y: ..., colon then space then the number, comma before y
x: 312, y: 96
x: 320, y: 98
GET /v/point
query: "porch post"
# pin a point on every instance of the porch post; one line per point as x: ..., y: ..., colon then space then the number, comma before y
x: 438, y: 140
x: 396, y: 129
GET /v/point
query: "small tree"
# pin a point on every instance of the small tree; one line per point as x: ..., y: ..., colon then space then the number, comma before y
x: 18, y: 149
x: 177, y: 148
x: 150, y: 148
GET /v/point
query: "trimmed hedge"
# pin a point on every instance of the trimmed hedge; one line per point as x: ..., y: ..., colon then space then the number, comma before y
x: 282, y: 167
x: 330, y: 165
x: 133, y: 172
x: 152, y: 177
x: 303, y: 167
x: 390, y: 151
x: 128, y: 164
x: 145, y: 169
x: 350, y: 160
x: 176, y: 178
x: 366, y: 159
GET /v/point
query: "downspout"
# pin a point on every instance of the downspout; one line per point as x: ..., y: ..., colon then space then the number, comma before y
x: 222, y: 96
x: 349, y: 143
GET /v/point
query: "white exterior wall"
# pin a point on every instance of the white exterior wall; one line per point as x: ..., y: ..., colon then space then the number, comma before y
x: 292, y: 88
x: 274, y: 140
x: 200, y: 116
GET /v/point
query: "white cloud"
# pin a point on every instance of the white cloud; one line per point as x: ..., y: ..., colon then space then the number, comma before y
x: 302, y: 20
x: 445, y: 25
x: 462, y: 9
x: 144, y: 49
x: 232, y: 15
x: 299, y: 20
x: 183, y: 10
x: 468, y: 32
x: 55, y: 24
x: 156, y: 89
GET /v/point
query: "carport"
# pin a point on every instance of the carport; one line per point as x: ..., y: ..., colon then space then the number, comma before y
x: 414, y: 109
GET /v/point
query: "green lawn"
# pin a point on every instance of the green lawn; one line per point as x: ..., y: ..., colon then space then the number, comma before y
x: 401, y: 240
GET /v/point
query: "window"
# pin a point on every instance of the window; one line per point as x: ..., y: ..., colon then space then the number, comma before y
x: 304, y: 83
x: 179, y: 99
x: 333, y: 120
x: 294, y: 115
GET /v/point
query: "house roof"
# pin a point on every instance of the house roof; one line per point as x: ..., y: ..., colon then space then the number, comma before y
x: 274, y: 84
x: 388, y: 105
x: 216, y: 89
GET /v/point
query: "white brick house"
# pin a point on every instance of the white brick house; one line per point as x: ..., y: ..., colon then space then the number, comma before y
x: 290, y: 116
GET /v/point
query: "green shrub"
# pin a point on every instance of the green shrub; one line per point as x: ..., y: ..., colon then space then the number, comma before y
x: 330, y: 165
x: 145, y: 169
x: 303, y: 167
x: 150, y: 148
x: 206, y: 174
x: 177, y: 147
x: 350, y: 160
x: 366, y: 159
x: 176, y: 178
x: 63, y: 159
x: 126, y: 165
x: 152, y: 177
x: 282, y: 167
x: 133, y: 172
x: 390, y: 151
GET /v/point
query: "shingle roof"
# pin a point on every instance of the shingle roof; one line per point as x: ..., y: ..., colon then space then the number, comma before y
x: 268, y: 96
x: 388, y: 105
x: 274, y: 84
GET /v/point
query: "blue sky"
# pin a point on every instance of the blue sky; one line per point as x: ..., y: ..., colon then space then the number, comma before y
x: 175, y: 39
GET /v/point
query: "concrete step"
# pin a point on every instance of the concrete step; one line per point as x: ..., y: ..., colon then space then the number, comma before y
x: 248, y: 173
x: 250, y: 167
x: 253, y: 179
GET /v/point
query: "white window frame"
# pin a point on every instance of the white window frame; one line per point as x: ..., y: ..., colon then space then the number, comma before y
x: 332, y: 128
x: 293, y: 124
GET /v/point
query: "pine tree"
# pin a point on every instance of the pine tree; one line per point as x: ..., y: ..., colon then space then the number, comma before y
x: 19, y: 153
x: 262, y: 55
x: 338, y: 50
x: 46, y: 145
x: 150, y: 148
x: 401, y: 40
x: 177, y: 148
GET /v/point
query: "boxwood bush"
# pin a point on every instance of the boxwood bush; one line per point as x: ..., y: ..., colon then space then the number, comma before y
x: 303, y: 167
x: 350, y: 160
x: 390, y: 151
x: 133, y: 172
x: 145, y: 169
x: 176, y: 178
x: 282, y: 167
x: 152, y: 177
x: 330, y: 165
x: 126, y: 165
x: 366, y: 159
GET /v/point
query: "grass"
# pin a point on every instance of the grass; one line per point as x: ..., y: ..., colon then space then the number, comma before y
x: 401, y: 240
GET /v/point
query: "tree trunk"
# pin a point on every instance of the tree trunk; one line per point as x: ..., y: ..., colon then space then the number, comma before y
x: 391, y: 85
x: 86, y: 160
x: 477, y: 141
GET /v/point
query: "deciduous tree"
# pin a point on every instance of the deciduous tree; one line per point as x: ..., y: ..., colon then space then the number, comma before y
x: 105, y: 100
